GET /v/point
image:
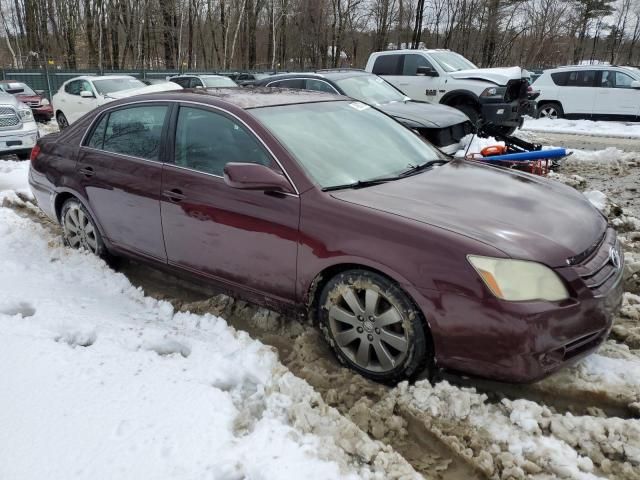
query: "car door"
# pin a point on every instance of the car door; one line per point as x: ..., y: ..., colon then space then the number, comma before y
x: 241, y: 237
x: 65, y: 100
x: 418, y: 86
x: 578, y: 96
x: 120, y: 173
x: 615, y: 99
x: 82, y: 105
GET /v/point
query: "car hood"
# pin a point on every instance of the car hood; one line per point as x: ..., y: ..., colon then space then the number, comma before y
x: 499, y: 76
x: 29, y: 98
x: 524, y: 216
x: 427, y: 114
x: 158, y: 87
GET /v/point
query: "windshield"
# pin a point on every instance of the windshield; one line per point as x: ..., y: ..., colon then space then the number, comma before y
x: 370, y: 89
x: 218, y: 82
x: 344, y: 142
x: 452, y: 62
x: 110, y: 85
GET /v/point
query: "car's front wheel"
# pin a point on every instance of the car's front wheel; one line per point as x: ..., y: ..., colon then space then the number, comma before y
x: 552, y: 111
x: 79, y: 230
x: 374, y: 327
x: 62, y: 121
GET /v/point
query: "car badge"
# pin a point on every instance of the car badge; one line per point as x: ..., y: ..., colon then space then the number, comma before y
x: 614, y: 257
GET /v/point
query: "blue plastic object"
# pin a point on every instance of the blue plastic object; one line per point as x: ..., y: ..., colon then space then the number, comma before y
x: 527, y: 156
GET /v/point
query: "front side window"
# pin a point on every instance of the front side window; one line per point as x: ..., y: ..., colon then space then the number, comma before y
x: 387, y: 65
x: 73, y: 88
x: 370, y: 89
x: 206, y: 141
x: 411, y: 63
x: 111, y: 85
x: 319, y: 86
x: 623, y: 80
x: 85, y: 86
x: 332, y: 141
x: 195, y: 82
x: 135, y: 131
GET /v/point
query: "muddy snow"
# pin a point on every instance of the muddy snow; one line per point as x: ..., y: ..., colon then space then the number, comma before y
x: 137, y: 374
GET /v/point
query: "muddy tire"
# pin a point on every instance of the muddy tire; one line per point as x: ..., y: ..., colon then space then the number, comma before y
x: 374, y: 328
x: 79, y: 231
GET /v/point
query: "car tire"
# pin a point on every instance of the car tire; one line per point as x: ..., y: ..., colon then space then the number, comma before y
x: 62, y: 120
x: 374, y: 327
x: 550, y: 110
x: 470, y: 111
x: 79, y: 231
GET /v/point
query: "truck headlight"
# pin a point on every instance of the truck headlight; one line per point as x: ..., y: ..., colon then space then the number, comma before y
x: 519, y: 280
x: 494, y: 92
x: 25, y: 114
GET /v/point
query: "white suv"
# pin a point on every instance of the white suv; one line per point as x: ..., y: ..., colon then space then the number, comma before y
x: 18, y: 129
x: 497, y: 97
x: 598, y: 92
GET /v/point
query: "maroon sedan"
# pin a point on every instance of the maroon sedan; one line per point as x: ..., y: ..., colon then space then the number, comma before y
x: 40, y: 106
x: 322, y: 205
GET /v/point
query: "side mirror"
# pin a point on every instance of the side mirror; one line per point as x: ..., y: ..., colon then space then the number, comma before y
x: 87, y: 94
x: 426, y: 72
x: 635, y: 84
x: 252, y: 176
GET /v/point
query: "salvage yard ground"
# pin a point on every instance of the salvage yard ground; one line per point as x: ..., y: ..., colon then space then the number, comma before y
x: 124, y: 372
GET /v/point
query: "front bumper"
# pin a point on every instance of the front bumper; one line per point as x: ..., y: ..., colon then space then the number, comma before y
x: 19, y: 140
x: 42, y: 113
x: 521, y: 342
x: 507, y: 114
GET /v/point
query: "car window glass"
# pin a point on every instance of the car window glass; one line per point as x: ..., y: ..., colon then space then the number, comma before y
x: 607, y: 79
x: 206, y: 141
x: 97, y: 137
x: 320, y: 86
x: 292, y: 83
x: 387, y: 65
x: 85, y: 86
x: 560, y: 78
x: 581, y: 78
x: 136, y: 131
x: 73, y: 88
x: 183, y: 82
x: 622, y: 80
x: 195, y: 83
x: 412, y: 62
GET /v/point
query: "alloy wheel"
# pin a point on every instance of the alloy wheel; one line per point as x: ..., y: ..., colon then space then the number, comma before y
x: 79, y: 230
x: 549, y: 112
x: 62, y: 121
x: 369, y: 329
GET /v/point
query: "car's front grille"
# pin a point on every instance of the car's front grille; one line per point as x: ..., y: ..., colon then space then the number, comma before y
x: 8, y: 117
x: 601, y: 269
x: 33, y: 103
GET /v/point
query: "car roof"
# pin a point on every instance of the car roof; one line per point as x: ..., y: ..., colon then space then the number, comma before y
x: 336, y: 74
x: 408, y: 50
x: 199, y: 75
x: 244, y: 98
x: 100, y: 77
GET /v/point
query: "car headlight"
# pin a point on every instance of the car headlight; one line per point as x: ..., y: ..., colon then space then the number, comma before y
x: 25, y: 114
x: 44, y: 101
x: 519, y: 280
x: 494, y: 92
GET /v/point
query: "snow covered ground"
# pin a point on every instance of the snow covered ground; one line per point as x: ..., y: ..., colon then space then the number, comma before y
x: 98, y: 381
x: 583, y: 127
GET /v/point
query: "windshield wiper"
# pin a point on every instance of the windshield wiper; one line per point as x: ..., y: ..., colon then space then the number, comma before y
x: 413, y: 169
x: 362, y: 183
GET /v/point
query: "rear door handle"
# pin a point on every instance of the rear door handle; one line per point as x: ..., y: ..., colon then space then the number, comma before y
x: 175, y: 195
x: 87, y: 171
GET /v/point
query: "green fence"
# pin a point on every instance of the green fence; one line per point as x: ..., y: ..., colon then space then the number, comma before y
x: 49, y: 80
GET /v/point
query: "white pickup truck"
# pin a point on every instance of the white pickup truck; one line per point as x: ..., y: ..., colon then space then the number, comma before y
x: 18, y: 129
x: 491, y: 97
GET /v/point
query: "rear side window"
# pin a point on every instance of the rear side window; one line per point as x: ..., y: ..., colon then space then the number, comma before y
x: 387, y: 65
x: 183, y: 82
x: 623, y: 80
x: 412, y: 62
x: 206, y: 141
x: 135, y: 131
x: 195, y: 82
x: 560, y: 78
x: 292, y: 83
x: 581, y: 78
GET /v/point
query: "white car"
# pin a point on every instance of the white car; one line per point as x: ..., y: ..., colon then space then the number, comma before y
x: 82, y: 94
x: 203, y: 81
x: 494, y: 96
x: 18, y: 129
x: 598, y: 92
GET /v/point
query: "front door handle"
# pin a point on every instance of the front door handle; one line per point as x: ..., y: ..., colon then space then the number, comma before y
x: 175, y: 195
x: 87, y: 171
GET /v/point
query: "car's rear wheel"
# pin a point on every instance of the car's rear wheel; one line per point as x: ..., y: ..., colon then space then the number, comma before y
x: 62, y: 121
x: 79, y: 230
x: 374, y: 327
x: 552, y: 111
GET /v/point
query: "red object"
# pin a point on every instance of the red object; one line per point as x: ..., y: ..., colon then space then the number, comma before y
x: 493, y: 150
x: 35, y: 151
x: 41, y: 112
x: 273, y: 248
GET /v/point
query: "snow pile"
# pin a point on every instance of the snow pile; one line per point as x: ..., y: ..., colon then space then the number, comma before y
x: 472, y: 145
x: 100, y: 381
x: 14, y: 176
x: 513, y: 439
x: 47, y: 128
x: 583, y: 127
x: 597, y: 199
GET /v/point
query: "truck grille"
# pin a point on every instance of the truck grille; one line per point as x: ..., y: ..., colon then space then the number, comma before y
x: 601, y: 269
x: 8, y: 117
x: 33, y: 103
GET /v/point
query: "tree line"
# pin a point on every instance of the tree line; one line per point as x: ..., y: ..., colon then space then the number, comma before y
x: 304, y: 34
